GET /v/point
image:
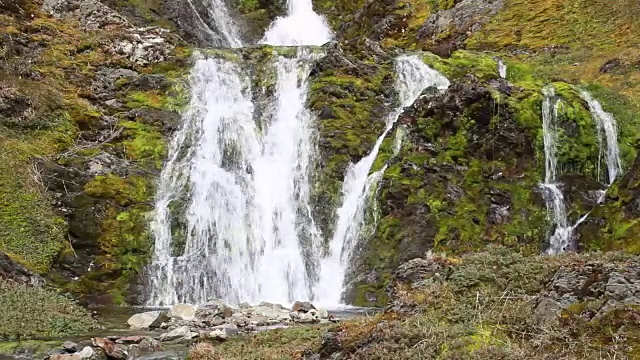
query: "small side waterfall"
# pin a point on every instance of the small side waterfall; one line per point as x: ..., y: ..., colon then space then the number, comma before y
x: 605, y: 123
x: 413, y: 76
x: 560, y: 240
x: 502, y: 69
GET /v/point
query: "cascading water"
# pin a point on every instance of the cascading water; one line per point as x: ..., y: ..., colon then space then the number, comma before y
x: 502, y: 69
x: 605, y: 122
x: 301, y: 26
x: 560, y: 239
x: 413, y: 76
x: 248, y: 221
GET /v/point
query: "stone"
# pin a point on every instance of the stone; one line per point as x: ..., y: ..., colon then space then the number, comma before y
x: 183, y: 311
x: 218, y: 334
x: 130, y: 339
x: 323, y: 313
x: 87, y: 352
x: 302, y: 306
x: 70, y: 346
x: 177, y: 333
x: 147, y: 320
x: 11, y: 270
x: 164, y: 355
x: 75, y: 356
x: 110, y: 348
x: 547, y: 312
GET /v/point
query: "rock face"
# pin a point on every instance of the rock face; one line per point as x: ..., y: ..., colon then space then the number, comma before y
x: 592, y: 289
x: 447, y: 30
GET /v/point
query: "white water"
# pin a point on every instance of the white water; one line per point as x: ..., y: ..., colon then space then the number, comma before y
x: 502, y: 69
x: 248, y: 219
x: 301, y: 26
x: 413, y: 76
x: 605, y: 122
x: 561, y: 238
x: 228, y: 33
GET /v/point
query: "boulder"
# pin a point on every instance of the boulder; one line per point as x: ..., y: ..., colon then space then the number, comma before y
x: 148, y: 320
x: 302, y: 306
x: 218, y: 334
x: 110, y: 348
x: 181, y: 332
x: 183, y: 311
x: 75, y: 356
x: 87, y: 352
x: 70, y: 346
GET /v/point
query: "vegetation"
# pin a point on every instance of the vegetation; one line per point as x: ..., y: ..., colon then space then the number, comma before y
x: 279, y: 344
x: 33, y: 312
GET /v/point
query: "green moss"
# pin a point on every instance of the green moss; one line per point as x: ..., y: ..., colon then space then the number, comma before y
x: 144, y: 143
x: 462, y: 62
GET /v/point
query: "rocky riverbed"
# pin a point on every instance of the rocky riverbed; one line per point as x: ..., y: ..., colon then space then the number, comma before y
x: 157, y: 334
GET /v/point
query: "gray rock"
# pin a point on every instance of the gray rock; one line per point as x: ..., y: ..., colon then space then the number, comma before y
x: 302, y: 306
x: 183, y: 311
x: 175, y: 334
x: 164, y: 355
x: 323, y: 313
x: 547, y: 312
x: 147, y: 320
x: 87, y: 352
x: 467, y: 15
x: 218, y: 334
x: 75, y: 356
x: 70, y: 346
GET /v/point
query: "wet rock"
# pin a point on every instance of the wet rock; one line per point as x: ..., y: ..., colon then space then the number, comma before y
x: 302, y: 306
x: 110, y: 348
x: 147, y: 320
x: 183, y: 311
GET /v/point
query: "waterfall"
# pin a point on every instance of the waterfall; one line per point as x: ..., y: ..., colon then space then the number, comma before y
x: 244, y: 182
x: 413, y: 76
x: 560, y: 239
x: 301, y: 26
x: 605, y: 122
x: 502, y: 69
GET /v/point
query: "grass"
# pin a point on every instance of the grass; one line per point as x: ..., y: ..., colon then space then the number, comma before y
x: 279, y: 344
